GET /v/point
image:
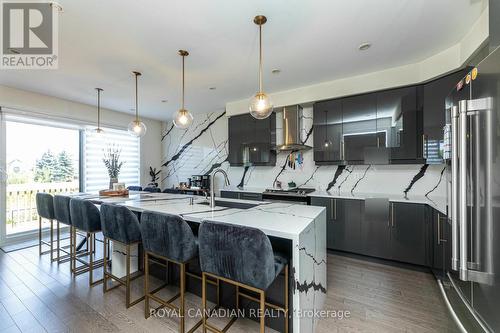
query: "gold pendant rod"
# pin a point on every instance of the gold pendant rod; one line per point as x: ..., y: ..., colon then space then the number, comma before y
x: 137, y: 74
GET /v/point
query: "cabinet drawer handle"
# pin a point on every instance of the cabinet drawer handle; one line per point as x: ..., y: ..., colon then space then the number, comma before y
x: 439, y: 239
x: 392, y: 214
x: 335, y: 209
x: 439, y: 230
x: 331, y: 209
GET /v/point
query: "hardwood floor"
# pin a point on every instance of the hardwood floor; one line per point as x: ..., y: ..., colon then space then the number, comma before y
x: 39, y: 296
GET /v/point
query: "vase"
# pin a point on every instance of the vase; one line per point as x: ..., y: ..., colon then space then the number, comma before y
x: 112, y: 181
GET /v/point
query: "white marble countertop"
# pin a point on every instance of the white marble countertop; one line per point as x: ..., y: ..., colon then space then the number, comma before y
x: 438, y: 203
x: 285, y: 220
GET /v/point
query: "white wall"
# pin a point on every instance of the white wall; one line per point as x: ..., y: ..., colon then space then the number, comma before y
x: 436, y: 65
x: 43, y: 106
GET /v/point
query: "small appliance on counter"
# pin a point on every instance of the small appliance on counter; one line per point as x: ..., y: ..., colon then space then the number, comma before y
x: 200, y: 182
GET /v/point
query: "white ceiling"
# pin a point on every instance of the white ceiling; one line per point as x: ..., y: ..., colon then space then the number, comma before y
x: 101, y: 42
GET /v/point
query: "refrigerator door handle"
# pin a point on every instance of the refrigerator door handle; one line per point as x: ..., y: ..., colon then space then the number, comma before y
x: 468, y: 270
x: 454, y: 190
x: 462, y: 181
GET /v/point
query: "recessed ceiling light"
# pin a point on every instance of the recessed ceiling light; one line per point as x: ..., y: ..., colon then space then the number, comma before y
x: 276, y: 71
x: 364, y: 46
x: 212, y: 88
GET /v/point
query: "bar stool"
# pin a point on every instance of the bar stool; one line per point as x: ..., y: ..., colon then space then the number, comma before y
x: 167, y: 237
x: 45, y: 209
x: 120, y: 225
x: 85, y: 217
x: 62, y: 215
x: 243, y: 257
x: 152, y: 189
x: 134, y: 188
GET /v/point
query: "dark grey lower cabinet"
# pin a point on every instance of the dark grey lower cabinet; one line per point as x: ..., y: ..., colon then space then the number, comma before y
x: 441, y: 242
x: 345, y: 227
x: 409, y: 233
x: 343, y: 222
x: 378, y: 228
x: 230, y: 194
x: 241, y: 195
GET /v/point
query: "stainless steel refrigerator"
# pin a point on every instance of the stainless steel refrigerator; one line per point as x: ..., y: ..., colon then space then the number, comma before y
x: 473, y: 112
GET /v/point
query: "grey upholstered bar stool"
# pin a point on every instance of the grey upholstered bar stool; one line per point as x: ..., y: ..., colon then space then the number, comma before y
x: 244, y: 257
x: 167, y: 237
x: 85, y: 217
x: 152, y: 189
x: 45, y: 209
x: 119, y: 225
x: 62, y: 215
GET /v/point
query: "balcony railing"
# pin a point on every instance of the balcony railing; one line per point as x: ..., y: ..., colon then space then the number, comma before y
x: 21, y: 211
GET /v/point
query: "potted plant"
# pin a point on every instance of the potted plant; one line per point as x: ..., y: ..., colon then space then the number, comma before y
x: 154, y: 175
x: 112, y: 162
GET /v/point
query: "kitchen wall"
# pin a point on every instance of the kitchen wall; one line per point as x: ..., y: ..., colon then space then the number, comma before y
x: 51, y: 108
x: 204, y: 147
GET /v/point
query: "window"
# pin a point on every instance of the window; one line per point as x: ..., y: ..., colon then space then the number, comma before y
x: 39, y: 158
x: 95, y: 175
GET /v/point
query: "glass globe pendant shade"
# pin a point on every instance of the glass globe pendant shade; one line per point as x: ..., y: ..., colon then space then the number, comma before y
x: 260, y: 106
x: 137, y: 128
x: 327, y: 145
x: 183, y: 119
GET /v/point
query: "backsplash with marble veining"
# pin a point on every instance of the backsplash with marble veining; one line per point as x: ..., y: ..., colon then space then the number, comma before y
x: 204, y: 147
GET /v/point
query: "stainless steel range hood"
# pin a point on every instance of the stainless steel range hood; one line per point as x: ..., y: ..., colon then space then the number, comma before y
x: 290, y: 118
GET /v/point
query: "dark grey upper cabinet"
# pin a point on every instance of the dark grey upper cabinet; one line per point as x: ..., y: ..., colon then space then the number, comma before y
x: 396, y: 126
x: 435, y: 93
x: 328, y: 131
x: 400, y: 119
x: 359, y: 126
x: 252, y: 141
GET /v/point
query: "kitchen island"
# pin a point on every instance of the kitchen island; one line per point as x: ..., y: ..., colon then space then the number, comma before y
x: 301, y: 229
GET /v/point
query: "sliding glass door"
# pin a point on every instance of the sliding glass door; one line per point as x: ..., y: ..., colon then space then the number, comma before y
x: 38, y: 158
x: 40, y: 155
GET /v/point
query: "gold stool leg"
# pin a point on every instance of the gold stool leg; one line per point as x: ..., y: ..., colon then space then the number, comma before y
x: 40, y: 235
x: 58, y: 242
x: 71, y: 248
x: 105, y: 264
x: 182, y: 300
x: 91, y: 261
x: 237, y: 297
x: 262, y: 310
x: 204, y: 300
x: 146, y: 284
x: 51, y: 240
x: 127, y: 276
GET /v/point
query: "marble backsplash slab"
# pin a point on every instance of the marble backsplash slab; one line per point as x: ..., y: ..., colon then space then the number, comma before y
x: 204, y: 147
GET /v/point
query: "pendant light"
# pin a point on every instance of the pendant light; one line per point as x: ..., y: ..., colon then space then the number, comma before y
x: 98, y: 130
x: 136, y: 127
x: 183, y: 118
x: 260, y: 106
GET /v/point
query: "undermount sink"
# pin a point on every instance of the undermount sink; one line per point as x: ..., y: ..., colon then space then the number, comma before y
x: 230, y: 204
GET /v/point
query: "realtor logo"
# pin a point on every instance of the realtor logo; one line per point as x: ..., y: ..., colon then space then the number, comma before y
x: 29, y: 35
